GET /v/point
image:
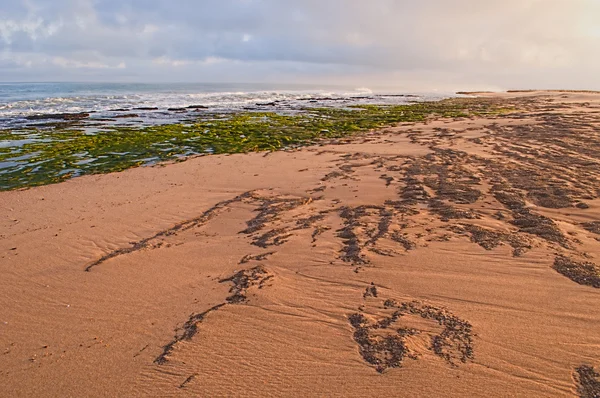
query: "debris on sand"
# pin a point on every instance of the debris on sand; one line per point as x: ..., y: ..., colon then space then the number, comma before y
x: 588, y: 381
x: 385, y: 347
x: 584, y: 273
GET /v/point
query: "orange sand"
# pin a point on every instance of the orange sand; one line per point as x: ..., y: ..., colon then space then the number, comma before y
x: 340, y: 242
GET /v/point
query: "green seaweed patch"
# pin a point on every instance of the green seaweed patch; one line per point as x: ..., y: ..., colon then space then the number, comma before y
x: 38, y: 156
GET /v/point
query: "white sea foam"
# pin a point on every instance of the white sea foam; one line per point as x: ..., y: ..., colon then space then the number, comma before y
x: 19, y: 101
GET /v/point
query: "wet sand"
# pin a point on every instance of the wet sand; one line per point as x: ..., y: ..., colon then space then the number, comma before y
x: 448, y: 258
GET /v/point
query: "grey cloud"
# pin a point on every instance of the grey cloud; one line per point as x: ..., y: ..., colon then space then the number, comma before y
x: 461, y: 42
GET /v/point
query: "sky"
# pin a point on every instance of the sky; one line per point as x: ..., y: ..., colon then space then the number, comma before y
x: 411, y: 44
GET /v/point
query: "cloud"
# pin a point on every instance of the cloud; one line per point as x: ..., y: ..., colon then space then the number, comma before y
x: 166, y: 61
x: 430, y: 43
x: 78, y: 64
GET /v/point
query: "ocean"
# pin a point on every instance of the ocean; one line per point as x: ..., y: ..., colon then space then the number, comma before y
x: 18, y: 101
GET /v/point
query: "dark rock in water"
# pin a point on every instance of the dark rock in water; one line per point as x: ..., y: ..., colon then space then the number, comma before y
x: 121, y: 110
x: 145, y: 108
x: 63, y: 124
x: 400, y: 95
x: 177, y: 110
x: 60, y: 116
x: 314, y: 99
x: 267, y: 103
x: 129, y: 115
x: 197, y: 107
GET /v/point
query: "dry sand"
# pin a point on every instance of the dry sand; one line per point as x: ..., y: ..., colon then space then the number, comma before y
x: 453, y: 258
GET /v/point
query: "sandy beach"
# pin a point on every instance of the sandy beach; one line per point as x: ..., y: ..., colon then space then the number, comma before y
x: 455, y: 257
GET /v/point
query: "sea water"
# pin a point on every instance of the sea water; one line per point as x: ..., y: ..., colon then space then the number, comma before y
x: 20, y: 100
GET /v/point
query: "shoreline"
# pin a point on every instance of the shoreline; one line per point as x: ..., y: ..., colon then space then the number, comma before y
x: 64, y: 147
x: 455, y: 256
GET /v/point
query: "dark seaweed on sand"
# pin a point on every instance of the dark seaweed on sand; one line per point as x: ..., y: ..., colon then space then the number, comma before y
x: 584, y: 273
x: 454, y: 343
x: 593, y: 226
x: 243, y: 279
x: 588, y: 381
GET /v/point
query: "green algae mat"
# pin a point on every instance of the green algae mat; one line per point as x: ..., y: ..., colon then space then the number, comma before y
x: 53, y: 153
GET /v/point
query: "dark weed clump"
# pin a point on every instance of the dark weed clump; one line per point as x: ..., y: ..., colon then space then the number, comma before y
x: 308, y: 222
x: 526, y: 220
x: 489, y: 239
x: 448, y: 212
x: 413, y: 192
x: 455, y: 342
x: 365, y: 225
x: 385, y: 347
x: 270, y: 210
x: 388, y: 180
x: 593, y: 226
x: 189, y: 330
x: 588, y: 381
x: 509, y: 198
x: 273, y: 237
x: 352, y: 249
x: 243, y: 280
x: 177, y: 228
x: 370, y: 291
x: 584, y: 273
x: 383, y: 227
x: 383, y: 352
x: 406, y: 243
x: 257, y: 257
x: 536, y: 224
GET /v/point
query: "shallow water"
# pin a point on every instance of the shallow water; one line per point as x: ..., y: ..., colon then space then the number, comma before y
x: 19, y: 100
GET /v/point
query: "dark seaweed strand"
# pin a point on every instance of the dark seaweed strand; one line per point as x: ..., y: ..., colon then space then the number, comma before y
x: 180, y: 227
